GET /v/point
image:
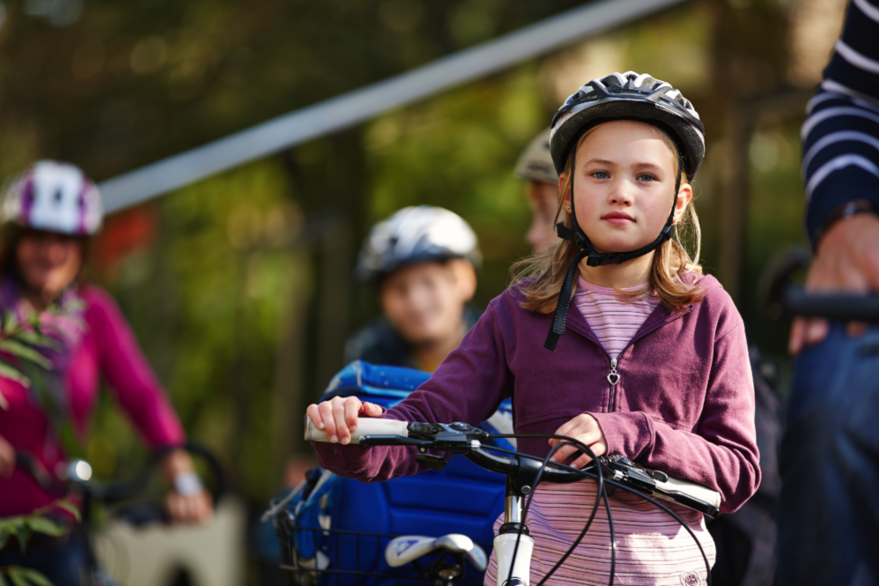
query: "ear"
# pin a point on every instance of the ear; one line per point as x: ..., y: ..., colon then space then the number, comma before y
x: 465, y: 278
x: 566, y: 195
x: 685, y: 196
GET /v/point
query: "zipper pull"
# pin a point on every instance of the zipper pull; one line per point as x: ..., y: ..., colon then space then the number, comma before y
x: 613, y: 377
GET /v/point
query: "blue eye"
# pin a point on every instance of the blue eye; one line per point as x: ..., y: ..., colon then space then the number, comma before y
x: 600, y: 175
x: 646, y: 177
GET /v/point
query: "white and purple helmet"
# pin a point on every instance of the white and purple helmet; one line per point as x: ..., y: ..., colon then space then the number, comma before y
x: 415, y: 235
x: 54, y: 197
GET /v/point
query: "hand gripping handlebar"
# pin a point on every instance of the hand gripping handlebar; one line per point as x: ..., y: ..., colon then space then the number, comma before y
x: 462, y: 438
x: 364, y: 427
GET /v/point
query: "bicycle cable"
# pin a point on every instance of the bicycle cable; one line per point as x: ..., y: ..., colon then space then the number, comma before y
x: 602, y: 493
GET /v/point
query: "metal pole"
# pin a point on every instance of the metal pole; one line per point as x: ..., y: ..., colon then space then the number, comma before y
x: 362, y: 104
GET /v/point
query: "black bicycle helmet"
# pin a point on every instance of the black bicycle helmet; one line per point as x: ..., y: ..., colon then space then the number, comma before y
x: 629, y: 96
x: 619, y: 96
x: 416, y: 235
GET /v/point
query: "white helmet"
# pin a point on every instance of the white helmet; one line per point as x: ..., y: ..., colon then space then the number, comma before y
x: 55, y: 197
x: 416, y: 235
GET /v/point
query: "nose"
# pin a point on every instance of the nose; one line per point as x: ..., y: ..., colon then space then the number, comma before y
x: 56, y: 252
x: 620, y: 193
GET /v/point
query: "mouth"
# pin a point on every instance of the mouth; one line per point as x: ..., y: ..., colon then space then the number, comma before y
x: 618, y: 218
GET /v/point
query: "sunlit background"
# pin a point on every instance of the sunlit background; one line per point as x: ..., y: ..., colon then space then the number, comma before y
x: 239, y: 286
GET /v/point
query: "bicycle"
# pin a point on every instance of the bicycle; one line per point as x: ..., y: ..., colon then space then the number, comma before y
x: 75, y: 478
x: 513, y: 544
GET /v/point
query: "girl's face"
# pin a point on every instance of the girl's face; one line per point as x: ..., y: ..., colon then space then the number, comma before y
x: 624, y: 185
x: 48, y: 262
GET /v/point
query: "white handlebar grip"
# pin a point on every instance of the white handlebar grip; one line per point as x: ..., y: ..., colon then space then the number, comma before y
x: 697, y: 491
x: 365, y: 426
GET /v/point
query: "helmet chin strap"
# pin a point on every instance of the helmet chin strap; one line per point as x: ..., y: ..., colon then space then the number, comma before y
x: 595, y: 258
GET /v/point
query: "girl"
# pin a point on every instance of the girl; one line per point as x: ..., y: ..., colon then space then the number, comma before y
x: 654, y: 366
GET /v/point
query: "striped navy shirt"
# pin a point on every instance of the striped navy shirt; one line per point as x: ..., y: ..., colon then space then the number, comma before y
x: 841, y: 132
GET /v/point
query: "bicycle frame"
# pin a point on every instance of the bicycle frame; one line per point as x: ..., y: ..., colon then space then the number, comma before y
x: 513, y: 545
x: 505, y: 542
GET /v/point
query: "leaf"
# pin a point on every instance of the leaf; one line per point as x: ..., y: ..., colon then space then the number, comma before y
x: 25, y: 352
x: 10, y: 322
x: 12, y: 373
x: 3, y: 581
x: 45, y: 526
x: 70, y: 508
x: 4, y: 538
x: 17, y: 575
x: 23, y: 534
x: 36, y: 339
x: 33, y: 576
x: 10, y: 524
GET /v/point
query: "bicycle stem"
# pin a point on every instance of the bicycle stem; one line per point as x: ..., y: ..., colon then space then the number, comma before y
x: 513, y: 505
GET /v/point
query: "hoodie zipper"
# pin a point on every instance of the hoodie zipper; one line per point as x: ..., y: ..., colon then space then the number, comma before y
x: 613, y: 377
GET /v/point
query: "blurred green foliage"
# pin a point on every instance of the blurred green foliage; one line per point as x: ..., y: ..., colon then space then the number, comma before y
x: 241, y: 293
x: 22, y: 528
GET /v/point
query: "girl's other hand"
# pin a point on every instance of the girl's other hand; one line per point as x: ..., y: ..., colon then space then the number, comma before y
x: 585, y: 429
x: 338, y: 416
x: 7, y: 458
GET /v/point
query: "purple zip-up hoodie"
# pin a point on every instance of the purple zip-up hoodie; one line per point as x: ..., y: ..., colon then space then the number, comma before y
x: 684, y: 401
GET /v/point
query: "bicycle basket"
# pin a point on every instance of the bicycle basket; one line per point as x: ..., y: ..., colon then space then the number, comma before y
x: 363, y: 563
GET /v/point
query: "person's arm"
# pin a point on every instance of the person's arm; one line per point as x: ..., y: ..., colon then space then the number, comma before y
x: 841, y: 169
x: 468, y: 386
x: 138, y: 392
x: 721, y: 452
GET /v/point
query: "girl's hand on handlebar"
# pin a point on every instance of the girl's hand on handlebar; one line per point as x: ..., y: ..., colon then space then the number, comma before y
x: 584, y: 428
x: 7, y: 458
x: 338, y: 416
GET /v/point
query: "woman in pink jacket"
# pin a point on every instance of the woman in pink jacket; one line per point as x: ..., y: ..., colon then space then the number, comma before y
x: 654, y: 364
x: 48, y: 215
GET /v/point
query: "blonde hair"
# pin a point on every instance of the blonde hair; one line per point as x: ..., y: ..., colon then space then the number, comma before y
x: 541, y: 275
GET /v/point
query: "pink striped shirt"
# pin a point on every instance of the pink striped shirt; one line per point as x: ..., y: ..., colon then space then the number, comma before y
x: 613, y: 318
x: 652, y: 548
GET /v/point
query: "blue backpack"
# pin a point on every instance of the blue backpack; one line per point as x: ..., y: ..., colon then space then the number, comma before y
x: 342, y: 525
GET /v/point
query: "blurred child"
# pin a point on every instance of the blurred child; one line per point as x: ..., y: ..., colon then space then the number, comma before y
x: 422, y: 261
x: 535, y: 166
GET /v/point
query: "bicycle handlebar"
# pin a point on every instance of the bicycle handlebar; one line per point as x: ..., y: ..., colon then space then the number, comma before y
x: 785, y: 300
x: 365, y: 426
x: 27, y: 462
x: 461, y: 438
x: 79, y: 473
